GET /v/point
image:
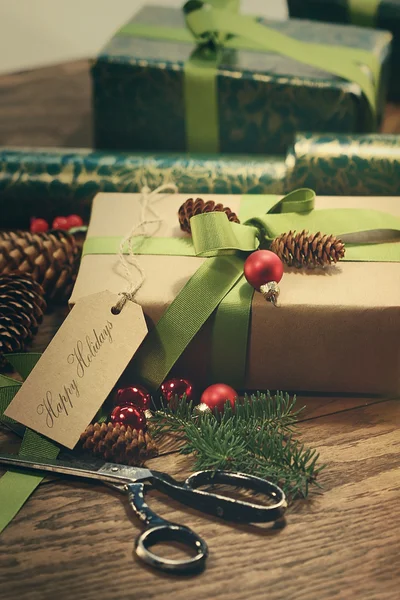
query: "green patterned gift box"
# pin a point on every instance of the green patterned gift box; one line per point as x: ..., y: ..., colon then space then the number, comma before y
x: 207, y: 79
x: 383, y: 14
x: 346, y: 165
x: 56, y: 181
x: 59, y: 181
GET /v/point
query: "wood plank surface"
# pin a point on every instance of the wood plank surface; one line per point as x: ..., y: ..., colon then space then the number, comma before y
x: 76, y: 540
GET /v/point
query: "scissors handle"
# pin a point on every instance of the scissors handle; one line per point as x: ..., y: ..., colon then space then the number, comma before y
x: 223, y: 506
x: 160, y: 530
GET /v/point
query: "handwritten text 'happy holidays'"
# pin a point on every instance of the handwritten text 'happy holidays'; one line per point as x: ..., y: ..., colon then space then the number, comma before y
x: 82, y: 356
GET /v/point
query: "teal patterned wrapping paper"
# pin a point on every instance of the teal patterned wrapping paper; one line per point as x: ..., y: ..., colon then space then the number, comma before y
x: 58, y: 181
x: 346, y: 165
x: 338, y: 11
x: 263, y: 98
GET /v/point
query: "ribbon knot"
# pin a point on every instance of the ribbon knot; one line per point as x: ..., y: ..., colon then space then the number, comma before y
x: 200, y: 17
x: 368, y: 234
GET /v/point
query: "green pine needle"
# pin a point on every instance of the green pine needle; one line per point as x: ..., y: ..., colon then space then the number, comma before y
x: 256, y: 438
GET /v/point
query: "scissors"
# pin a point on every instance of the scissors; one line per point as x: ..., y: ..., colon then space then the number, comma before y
x: 131, y: 481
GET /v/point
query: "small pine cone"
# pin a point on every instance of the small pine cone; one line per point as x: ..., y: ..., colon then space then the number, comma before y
x: 51, y: 258
x: 308, y: 250
x: 191, y: 207
x: 21, y: 311
x: 118, y: 443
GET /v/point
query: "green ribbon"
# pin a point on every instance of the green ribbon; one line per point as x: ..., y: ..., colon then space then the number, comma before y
x: 218, y: 285
x: 363, y: 12
x: 217, y: 24
x: 15, y: 486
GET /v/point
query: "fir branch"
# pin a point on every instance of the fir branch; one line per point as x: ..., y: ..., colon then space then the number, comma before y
x: 255, y: 437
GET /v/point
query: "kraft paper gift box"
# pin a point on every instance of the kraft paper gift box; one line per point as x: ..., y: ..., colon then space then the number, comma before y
x: 383, y: 14
x: 150, y: 94
x: 336, y: 331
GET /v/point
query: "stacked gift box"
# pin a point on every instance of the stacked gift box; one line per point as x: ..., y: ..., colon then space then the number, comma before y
x: 222, y: 113
x: 207, y: 80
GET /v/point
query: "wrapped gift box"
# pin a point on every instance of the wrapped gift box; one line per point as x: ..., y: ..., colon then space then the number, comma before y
x: 58, y: 181
x: 384, y: 14
x: 141, y: 99
x: 355, y: 165
x: 337, y: 330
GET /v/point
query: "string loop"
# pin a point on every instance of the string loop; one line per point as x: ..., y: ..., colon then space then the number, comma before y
x: 149, y: 218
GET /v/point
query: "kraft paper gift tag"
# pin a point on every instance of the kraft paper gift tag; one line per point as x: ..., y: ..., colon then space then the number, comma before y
x: 79, y: 368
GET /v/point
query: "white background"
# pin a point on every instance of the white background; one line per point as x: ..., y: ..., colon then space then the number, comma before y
x: 35, y: 33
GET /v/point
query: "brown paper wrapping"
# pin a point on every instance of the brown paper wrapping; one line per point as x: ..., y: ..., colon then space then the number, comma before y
x: 336, y: 331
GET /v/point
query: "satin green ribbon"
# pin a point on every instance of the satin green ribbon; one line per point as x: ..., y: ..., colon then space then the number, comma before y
x: 363, y: 12
x: 15, y: 486
x: 217, y: 24
x: 218, y: 285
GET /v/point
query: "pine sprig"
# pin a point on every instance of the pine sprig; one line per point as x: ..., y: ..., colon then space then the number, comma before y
x: 257, y: 437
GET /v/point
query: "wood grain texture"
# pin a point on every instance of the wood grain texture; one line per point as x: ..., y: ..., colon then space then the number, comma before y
x: 47, y: 107
x: 76, y: 540
x: 343, y: 543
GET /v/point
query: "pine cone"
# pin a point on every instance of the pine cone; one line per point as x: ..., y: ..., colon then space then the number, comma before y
x: 51, y: 258
x: 308, y: 250
x: 21, y: 311
x: 191, y: 207
x: 118, y: 443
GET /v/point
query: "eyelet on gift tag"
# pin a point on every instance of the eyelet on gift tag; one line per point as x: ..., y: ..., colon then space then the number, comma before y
x: 79, y: 368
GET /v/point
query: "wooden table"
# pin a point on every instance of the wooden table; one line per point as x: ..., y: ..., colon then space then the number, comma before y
x: 74, y: 540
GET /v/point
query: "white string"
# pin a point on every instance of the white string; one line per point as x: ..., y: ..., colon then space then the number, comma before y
x: 147, y: 200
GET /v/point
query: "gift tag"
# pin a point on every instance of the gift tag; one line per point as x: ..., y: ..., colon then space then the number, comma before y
x: 79, y: 368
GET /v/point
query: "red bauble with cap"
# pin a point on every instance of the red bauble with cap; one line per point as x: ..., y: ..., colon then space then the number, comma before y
x: 216, y: 396
x: 263, y: 270
x: 261, y: 267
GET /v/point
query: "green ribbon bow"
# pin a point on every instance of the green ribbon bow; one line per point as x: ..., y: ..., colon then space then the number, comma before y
x: 217, y: 24
x: 218, y: 285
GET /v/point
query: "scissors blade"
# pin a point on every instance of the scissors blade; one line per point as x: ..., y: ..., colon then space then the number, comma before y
x: 107, y: 472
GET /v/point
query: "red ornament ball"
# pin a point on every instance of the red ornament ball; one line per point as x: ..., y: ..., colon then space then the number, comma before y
x: 216, y: 396
x: 74, y: 221
x: 39, y: 226
x: 177, y: 387
x: 129, y: 415
x: 135, y: 395
x: 60, y: 223
x: 263, y: 266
